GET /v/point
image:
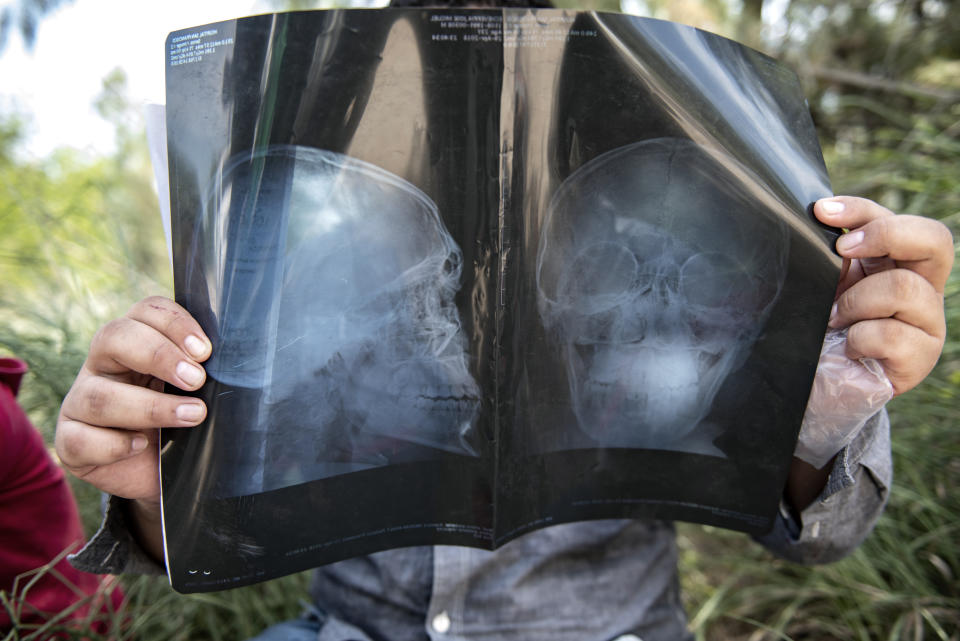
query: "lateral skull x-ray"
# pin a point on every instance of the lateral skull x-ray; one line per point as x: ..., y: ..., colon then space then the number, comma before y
x: 656, y: 273
x: 340, y: 312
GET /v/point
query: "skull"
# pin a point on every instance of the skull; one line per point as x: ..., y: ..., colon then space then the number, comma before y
x: 339, y: 306
x: 655, y: 275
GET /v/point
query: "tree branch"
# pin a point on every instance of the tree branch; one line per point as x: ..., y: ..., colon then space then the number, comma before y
x: 866, y: 81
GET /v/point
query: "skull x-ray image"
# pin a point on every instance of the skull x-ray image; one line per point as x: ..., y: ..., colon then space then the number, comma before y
x: 333, y: 284
x: 656, y: 272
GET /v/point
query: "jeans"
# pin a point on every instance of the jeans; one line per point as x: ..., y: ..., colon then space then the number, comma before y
x: 303, y: 629
x: 314, y: 625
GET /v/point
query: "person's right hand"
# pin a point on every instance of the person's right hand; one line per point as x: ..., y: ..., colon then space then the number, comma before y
x: 107, y: 431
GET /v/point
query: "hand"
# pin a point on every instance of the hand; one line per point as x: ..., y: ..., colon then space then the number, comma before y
x: 107, y: 431
x: 891, y: 288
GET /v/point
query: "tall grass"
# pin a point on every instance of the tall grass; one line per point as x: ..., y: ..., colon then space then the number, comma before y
x: 902, y: 583
x: 153, y: 611
x: 88, y: 614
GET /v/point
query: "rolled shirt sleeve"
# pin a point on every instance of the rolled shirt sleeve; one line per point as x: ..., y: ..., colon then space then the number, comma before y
x: 113, y: 549
x: 844, y: 514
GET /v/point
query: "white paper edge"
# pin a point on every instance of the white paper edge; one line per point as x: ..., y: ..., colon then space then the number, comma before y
x: 155, y: 116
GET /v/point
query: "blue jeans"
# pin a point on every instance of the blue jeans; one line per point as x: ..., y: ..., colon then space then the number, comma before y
x: 294, y: 630
x: 306, y: 628
x: 314, y: 625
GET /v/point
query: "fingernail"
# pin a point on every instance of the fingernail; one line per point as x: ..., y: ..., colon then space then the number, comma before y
x: 848, y: 241
x: 189, y: 412
x: 139, y: 443
x: 189, y: 374
x: 195, y: 347
x: 833, y: 317
x: 831, y: 207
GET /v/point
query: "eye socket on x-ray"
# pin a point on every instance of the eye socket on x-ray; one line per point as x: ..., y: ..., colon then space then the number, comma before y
x: 600, y: 276
x: 603, y: 277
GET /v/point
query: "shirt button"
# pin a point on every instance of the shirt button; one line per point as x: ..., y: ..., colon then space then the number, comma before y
x: 441, y: 623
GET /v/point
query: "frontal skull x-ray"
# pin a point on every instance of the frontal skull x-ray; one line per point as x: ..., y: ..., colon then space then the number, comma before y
x: 656, y: 272
x: 340, y: 313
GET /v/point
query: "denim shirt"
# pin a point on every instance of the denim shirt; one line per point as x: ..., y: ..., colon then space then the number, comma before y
x: 584, y: 581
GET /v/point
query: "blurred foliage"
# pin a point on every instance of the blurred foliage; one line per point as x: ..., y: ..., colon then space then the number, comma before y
x: 154, y: 612
x: 25, y: 17
x: 80, y: 240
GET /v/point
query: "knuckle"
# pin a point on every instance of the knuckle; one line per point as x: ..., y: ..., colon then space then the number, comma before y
x: 106, y: 335
x: 898, y: 343
x: 148, y: 303
x: 939, y: 329
x: 160, y: 313
x: 849, y: 301
x: 875, y: 338
x: 905, y: 285
x: 69, y: 446
x: 95, y: 400
x: 171, y: 315
x: 158, y: 356
x: 853, y: 203
x: 945, y: 234
x: 858, y: 335
x: 885, y: 229
x: 118, y: 449
x: 157, y: 301
x: 944, y: 239
x: 156, y: 412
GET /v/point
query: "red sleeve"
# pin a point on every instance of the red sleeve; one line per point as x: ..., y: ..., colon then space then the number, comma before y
x: 38, y: 516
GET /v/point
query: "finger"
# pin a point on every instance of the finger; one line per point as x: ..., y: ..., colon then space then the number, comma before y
x: 134, y: 478
x: 129, y: 345
x: 920, y: 244
x: 102, y: 401
x: 81, y: 446
x: 848, y: 212
x: 906, y: 353
x: 98, y: 456
x: 897, y: 293
x: 174, y: 322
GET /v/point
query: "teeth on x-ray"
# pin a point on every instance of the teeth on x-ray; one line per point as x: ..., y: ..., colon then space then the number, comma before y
x: 341, y: 309
x: 651, y: 308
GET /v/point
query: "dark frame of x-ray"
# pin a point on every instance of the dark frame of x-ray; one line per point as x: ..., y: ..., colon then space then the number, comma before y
x: 373, y: 93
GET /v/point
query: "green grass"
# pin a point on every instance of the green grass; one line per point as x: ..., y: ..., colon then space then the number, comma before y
x: 152, y: 610
x: 902, y: 583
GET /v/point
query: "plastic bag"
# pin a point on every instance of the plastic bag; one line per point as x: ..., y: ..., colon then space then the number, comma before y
x: 845, y: 394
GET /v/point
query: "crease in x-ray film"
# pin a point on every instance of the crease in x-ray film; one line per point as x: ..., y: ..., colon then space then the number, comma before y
x: 333, y: 284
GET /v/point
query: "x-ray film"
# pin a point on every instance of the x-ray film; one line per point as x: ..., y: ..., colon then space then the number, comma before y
x: 469, y: 273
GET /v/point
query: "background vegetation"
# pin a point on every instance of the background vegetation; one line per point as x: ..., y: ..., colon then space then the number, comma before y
x: 80, y: 240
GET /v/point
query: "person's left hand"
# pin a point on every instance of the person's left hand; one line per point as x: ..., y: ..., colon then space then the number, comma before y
x: 890, y: 299
x: 890, y: 295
